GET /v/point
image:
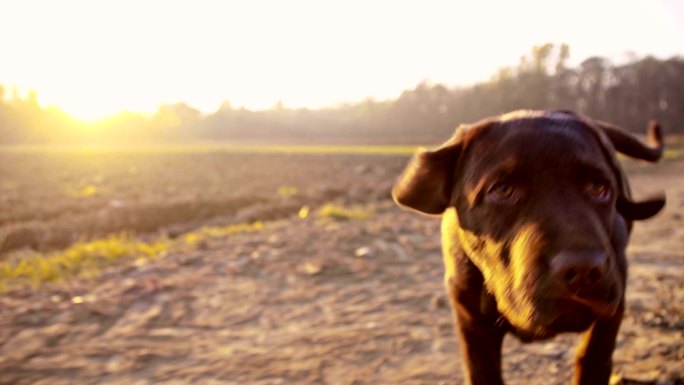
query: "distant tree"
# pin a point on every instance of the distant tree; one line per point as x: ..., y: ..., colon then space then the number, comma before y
x: 629, y: 94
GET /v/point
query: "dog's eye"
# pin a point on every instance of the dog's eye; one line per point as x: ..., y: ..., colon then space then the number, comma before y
x: 599, y: 191
x: 501, y: 193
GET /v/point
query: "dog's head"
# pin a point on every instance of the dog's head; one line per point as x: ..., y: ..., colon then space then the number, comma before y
x: 542, y: 207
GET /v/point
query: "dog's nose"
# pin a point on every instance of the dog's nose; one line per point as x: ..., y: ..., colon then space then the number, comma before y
x: 579, y: 271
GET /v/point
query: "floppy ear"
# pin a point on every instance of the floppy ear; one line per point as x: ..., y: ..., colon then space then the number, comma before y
x: 640, y: 210
x: 629, y: 145
x: 427, y: 181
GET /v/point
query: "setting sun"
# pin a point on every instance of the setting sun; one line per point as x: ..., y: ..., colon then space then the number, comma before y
x: 95, y: 59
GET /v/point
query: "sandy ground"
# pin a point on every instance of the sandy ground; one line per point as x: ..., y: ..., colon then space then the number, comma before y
x: 320, y: 301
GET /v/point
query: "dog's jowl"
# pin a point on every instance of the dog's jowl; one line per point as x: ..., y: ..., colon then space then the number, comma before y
x: 536, y: 215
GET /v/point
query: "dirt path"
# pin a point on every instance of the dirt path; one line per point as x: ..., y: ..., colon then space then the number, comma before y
x: 317, y: 302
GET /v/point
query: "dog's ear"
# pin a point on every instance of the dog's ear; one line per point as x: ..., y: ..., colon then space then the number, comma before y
x: 427, y: 181
x: 640, y: 210
x: 627, y: 144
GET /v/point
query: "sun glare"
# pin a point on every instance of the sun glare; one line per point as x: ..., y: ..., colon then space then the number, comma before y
x: 91, y: 111
x: 95, y: 59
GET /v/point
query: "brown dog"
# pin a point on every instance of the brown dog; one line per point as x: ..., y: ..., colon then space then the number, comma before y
x: 536, y: 217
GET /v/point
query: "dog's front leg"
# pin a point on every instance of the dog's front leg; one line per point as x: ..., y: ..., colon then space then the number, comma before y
x: 593, y: 360
x: 481, y: 351
x: 480, y: 337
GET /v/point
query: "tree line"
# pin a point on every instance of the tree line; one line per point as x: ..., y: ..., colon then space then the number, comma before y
x: 626, y: 94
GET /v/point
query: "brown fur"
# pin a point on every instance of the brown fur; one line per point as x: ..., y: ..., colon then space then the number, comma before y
x: 536, y: 214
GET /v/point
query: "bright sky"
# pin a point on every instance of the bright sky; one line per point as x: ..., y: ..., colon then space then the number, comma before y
x: 94, y: 58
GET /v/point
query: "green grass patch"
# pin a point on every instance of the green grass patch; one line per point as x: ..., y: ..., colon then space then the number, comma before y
x: 288, y: 191
x: 674, y: 148
x: 674, y: 153
x: 84, y: 192
x: 85, y: 259
x: 670, y: 153
x: 206, y: 233
x: 336, y: 212
x: 80, y: 259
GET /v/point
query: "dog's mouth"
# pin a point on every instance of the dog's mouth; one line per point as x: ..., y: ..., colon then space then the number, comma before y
x: 576, y: 314
x: 602, y: 308
x: 546, y: 316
